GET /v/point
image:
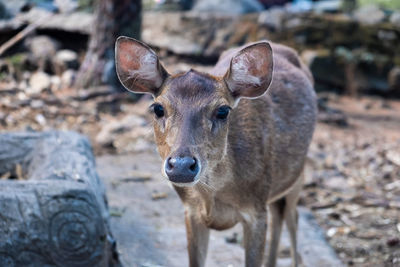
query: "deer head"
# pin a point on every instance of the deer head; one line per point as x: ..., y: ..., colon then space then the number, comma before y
x: 192, y: 110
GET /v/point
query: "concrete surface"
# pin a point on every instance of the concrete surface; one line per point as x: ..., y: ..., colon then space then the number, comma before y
x: 151, y: 232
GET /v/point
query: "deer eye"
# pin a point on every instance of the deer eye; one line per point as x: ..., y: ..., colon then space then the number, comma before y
x: 158, y: 110
x: 222, y: 112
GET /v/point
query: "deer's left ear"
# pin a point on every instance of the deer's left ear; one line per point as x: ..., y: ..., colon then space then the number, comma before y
x: 250, y: 71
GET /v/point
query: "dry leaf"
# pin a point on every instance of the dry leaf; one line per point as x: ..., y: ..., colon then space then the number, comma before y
x: 158, y: 195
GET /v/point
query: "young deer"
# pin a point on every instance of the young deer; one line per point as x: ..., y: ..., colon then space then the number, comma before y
x: 229, y: 149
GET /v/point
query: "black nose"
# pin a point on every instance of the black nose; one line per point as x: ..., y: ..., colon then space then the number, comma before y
x: 181, y: 169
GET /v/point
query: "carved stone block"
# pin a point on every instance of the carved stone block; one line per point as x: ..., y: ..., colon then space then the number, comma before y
x: 54, y: 213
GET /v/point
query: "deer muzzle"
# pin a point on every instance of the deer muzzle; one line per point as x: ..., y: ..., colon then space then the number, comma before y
x: 182, y: 171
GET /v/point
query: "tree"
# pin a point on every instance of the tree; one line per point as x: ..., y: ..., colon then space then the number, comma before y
x: 112, y: 19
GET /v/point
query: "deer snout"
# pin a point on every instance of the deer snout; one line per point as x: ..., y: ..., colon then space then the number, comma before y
x: 182, y: 170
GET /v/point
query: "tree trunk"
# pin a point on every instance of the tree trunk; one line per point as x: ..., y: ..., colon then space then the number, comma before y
x: 112, y: 19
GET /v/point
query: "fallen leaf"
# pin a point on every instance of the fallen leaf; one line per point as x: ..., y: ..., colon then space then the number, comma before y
x: 158, y: 195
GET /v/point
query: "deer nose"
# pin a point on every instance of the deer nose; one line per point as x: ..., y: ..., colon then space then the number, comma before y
x: 182, y: 169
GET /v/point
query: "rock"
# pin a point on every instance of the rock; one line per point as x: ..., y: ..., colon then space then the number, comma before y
x: 78, y: 22
x: 369, y: 15
x: 55, y: 82
x: 294, y: 23
x: 37, y: 104
x: 395, y: 19
x: 38, y: 82
x: 272, y: 18
x: 65, y: 59
x: 39, y: 118
x: 61, y: 208
x: 228, y: 6
x: 68, y: 78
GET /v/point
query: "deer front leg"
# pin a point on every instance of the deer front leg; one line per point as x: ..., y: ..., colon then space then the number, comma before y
x: 275, y: 227
x: 254, y: 235
x: 197, y: 237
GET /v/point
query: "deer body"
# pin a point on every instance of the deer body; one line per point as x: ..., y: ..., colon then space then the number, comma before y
x: 229, y: 169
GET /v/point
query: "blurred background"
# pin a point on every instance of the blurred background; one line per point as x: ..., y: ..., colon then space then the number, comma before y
x: 57, y: 72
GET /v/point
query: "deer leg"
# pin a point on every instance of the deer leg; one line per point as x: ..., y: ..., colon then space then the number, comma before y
x: 291, y: 218
x: 276, y: 212
x: 254, y: 233
x: 197, y: 237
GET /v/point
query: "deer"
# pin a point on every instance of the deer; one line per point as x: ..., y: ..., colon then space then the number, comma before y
x: 233, y: 141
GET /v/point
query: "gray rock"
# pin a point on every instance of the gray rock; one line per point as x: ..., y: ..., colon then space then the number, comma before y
x: 80, y: 22
x: 37, y: 104
x: 65, y: 59
x: 58, y: 216
x: 55, y: 82
x: 76, y: 22
x: 39, y: 118
x: 369, y: 15
x: 273, y: 18
x: 228, y: 6
x: 68, y: 78
x: 38, y: 82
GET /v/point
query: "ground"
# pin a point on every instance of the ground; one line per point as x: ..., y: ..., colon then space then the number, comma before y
x: 148, y: 221
x: 352, y: 185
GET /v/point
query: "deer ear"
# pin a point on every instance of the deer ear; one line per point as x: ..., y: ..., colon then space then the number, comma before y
x: 138, y: 67
x: 250, y: 71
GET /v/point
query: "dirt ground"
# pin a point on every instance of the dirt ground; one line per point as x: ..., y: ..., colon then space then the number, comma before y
x: 353, y: 181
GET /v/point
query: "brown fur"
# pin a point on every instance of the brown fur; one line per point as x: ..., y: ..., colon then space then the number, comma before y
x: 252, y: 160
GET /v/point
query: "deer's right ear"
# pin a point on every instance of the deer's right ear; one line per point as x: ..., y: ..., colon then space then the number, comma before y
x: 138, y: 67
